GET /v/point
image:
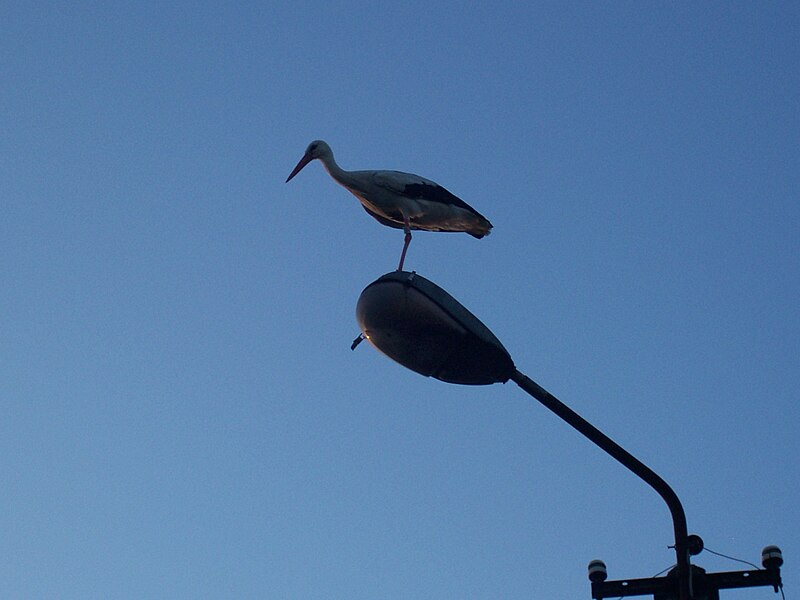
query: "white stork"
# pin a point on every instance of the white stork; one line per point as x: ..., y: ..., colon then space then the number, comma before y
x: 401, y: 200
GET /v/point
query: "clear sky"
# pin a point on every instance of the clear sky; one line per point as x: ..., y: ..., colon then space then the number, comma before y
x: 182, y: 416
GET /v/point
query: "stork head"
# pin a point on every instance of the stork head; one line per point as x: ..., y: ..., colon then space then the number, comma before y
x: 316, y: 149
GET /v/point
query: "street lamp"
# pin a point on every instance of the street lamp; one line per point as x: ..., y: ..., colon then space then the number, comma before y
x: 419, y: 325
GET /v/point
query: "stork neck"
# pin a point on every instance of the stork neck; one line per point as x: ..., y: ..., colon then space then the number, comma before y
x: 335, y: 171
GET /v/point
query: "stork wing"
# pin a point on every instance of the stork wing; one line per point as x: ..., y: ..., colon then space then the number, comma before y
x: 418, y: 188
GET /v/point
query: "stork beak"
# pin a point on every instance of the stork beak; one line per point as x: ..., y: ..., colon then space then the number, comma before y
x: 303, y: 162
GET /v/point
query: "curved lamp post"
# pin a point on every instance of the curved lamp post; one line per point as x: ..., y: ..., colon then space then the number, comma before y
x: 419, y: 325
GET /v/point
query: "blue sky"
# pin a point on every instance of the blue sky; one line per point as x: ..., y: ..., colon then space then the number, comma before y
x: 181, y: 414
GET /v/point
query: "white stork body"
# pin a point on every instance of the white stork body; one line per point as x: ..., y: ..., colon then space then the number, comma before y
x: 401, y: 200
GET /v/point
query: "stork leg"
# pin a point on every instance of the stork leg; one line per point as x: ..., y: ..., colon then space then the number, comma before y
x: 407, y: 229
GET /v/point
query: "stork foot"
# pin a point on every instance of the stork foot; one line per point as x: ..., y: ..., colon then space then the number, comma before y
x: 357, y: 341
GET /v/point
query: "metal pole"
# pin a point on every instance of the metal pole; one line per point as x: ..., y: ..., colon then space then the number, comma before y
x: 630, y: 461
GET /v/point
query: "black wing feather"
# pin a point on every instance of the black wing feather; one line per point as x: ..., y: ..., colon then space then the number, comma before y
x: 436, y: 193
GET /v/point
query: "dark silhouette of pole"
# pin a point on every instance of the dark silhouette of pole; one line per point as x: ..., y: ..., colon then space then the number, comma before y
x: 630, y: 461
x: 418, y: 324
x: 422, y: 327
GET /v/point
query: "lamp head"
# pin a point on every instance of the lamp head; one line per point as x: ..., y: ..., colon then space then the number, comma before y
x: 417, y: 324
